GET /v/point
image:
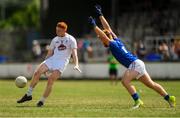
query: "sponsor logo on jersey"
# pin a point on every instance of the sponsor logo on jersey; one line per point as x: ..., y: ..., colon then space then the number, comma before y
x: 61, y: 47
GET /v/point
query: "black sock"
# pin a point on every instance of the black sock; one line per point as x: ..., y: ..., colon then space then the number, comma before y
x: 135, y: 96
x: 166, y: 97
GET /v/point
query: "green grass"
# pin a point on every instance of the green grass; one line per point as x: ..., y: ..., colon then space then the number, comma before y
x: 87, y: 98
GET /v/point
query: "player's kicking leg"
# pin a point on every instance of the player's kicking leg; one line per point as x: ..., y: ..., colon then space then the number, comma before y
x: 54, y: 76
x: 40, y: 70
x: 158, y: 88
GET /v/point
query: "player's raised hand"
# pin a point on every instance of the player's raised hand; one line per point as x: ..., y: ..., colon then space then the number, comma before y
x: 77, y: 68
x: 98, y: 10
x: 92, y: 21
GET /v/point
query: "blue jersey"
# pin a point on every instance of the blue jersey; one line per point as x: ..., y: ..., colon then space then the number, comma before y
x: 120, y: 53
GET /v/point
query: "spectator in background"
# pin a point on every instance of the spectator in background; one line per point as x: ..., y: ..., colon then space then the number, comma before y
x: 113, y: 70
x: 172, y: 51
x: 87, y: 46
x: 45, y: 50
x: 177, y: 47
x: 140, y: 49
x: 80, y: 50
x: 36, y: 49
x: 164, y: 50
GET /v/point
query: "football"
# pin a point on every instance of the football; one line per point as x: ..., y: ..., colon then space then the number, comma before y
x: 21, y: 81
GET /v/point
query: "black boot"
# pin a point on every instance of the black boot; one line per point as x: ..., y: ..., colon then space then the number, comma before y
x: 40, y: 104
x: 25, y: 98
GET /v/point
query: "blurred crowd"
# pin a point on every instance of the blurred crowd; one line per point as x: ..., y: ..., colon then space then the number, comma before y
x: 142, y: 26
x: 91, y: 50
x: 85, y: 48
x: 164, y: 52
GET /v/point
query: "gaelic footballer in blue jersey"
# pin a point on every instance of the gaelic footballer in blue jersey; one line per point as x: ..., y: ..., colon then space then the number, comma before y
x: 135, y: 67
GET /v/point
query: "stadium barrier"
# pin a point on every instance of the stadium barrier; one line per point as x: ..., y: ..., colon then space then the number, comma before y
x: 156, y: 70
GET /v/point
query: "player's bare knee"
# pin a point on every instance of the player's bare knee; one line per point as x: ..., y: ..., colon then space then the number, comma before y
x: 37, y: 73
x: 125, y: 82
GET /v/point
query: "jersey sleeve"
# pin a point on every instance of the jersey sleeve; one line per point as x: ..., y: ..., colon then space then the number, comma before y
x: 117, y: 39
x: 73, y: 43
x: 52, y: 44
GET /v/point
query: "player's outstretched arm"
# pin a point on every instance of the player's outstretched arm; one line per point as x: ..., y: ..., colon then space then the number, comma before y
x: 104, y: 22
x: 75, y: 59
x: 99, y: 32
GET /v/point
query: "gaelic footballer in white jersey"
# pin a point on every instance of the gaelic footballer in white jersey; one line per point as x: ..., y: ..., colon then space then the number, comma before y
x: 59, y: 53
x: 62, y: 47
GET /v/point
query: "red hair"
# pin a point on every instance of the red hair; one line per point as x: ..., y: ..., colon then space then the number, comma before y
x: 62, y: 25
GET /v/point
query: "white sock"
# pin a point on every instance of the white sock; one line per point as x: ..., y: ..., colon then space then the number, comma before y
x: 42, y: 99
x: 29, y: 92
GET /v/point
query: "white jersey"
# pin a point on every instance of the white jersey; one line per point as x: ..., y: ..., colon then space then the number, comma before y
x: 62, y: 47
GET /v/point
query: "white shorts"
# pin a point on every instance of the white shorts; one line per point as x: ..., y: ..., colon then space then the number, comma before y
x: 55, y: 64
x: 138, y: 66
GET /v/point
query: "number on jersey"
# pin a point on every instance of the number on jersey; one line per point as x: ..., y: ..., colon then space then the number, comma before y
x: 124, y: 49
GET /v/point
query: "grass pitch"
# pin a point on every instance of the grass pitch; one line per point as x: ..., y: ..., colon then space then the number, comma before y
x: 87, y: 99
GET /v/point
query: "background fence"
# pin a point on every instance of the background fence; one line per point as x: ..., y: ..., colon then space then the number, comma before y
x: 90, y: 71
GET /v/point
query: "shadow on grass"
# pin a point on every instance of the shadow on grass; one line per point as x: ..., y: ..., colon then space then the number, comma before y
x: 26, y: 106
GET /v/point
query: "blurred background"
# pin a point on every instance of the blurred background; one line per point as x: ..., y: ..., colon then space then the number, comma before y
x: 149, y: 28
